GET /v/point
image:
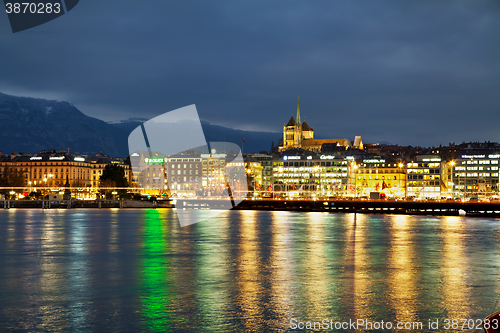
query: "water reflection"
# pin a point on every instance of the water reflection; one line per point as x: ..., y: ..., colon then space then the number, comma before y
x: 155, y: 288
x: 282, y: 268
x: 53, y: 295
x: 315, y: 263
x: 364, y: 291
x: 138, y: 270
x: 249, y: 273
x: 78, y: 284
x: 455, y: 268
x: 403, y: 264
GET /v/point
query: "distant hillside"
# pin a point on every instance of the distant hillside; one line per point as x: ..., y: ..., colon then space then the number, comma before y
x: 33, y: 124
x: 254, y: 141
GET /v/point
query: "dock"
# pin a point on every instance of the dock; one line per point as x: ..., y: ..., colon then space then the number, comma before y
x: 446, y: 208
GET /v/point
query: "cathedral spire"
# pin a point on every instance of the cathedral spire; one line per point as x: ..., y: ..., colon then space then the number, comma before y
x: 298, y: 111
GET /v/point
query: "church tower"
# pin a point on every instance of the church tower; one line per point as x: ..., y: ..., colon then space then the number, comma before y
x: 306, y: 131
x: 298, y: 127
x: 293, y: 131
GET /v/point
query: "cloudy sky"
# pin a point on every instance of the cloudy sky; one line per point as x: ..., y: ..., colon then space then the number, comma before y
x: 407, y: 72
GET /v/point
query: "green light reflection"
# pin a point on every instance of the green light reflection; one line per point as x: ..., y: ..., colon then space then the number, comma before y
x: 155, y: 278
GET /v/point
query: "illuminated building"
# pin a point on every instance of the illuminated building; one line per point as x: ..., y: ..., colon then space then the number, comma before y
x: 266, y: 171
x: 309, y: 175
x: 213, y: 173
x: 424, y: 177
x: 184, y: 173
x: 379, y: 175
x: 149, y: 171
x: 254, y: 176
x: 54, y: 169
x: 475, y: 175
x: 298, y: 134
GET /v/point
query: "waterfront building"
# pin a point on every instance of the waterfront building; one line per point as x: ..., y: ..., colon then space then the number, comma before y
x: 301, y: 173
x: 254, y: 175
x: 424, y: 177
x: 475, y: 175
x: 186, y: 174
x: 266, y: 166
x: 213, y: 179
x: 149, y: 172
x: 56, y: 168
x: 379, y: 174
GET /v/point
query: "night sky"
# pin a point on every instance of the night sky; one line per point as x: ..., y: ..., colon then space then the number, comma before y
x: 407, y: 72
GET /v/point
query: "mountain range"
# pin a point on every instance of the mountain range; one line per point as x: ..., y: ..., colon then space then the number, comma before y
x: 32, y: 124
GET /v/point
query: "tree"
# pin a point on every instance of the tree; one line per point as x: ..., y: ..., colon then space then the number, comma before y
x: 11, y: 177
x: 113, y: 173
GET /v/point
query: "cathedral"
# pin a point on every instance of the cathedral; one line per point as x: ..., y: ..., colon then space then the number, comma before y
x: 297, y: 134
x: 295, y: 131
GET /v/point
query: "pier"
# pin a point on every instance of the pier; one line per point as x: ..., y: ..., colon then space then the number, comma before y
x: 70, y: 204
x: 358, y: 206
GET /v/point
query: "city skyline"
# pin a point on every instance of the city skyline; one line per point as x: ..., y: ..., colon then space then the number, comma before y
x: 249, y: 166
x: 391, y: 71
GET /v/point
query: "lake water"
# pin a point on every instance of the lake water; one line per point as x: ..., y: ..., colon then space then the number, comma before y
x: 128, y: 270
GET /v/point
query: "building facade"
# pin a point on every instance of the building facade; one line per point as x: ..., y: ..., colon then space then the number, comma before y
x: 379, y: 175
x: 424, y: 177
x: 310, y: 175
x: 266, y: 165
x: 475, y: 175
x: 60, y: 169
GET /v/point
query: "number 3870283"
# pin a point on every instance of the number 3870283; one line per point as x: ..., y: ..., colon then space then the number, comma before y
x: 33, y: 8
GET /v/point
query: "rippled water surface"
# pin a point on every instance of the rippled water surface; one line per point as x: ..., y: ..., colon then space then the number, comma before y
x: 139, y: 271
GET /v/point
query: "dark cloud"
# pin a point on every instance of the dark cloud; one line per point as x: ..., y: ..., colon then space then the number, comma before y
x: 409, y: 72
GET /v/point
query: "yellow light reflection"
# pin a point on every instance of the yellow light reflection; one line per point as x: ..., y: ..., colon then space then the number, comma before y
x: 363, y: 285
x: 213, y: 261
x: 315, y: 267
x: 454, y: 268
x: 282, y: 265
x: 402, y: 264
x: 249, y: 272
